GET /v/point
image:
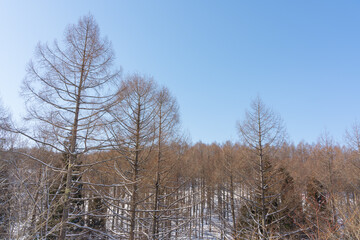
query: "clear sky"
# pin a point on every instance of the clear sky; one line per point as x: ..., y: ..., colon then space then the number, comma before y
x: 301, y: 57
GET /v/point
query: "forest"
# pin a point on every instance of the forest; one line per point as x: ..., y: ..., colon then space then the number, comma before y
x: 101, y: 155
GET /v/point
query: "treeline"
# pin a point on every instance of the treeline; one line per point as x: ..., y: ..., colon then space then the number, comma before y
x: 101, y: 156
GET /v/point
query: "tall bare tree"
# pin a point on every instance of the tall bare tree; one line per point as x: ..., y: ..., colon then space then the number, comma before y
x: 230, y: 160
x: 262, y: 130
x: 67, y: 88
x: 167, y: 120
x: 5, y: 192
x: 329, y: 170
x: 132, y: 134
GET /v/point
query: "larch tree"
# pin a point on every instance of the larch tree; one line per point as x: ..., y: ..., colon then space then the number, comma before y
x: 351, y: 212
x: 262, y: 131
x: 230, y: 160
x: 328, y: 172
x: 5, y: 191
x: 132, y: 133
x: 352, y: 137
x: 167, y: 121
x: 67, y: 89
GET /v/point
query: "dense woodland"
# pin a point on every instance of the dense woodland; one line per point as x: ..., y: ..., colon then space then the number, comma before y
x: 102, y: 156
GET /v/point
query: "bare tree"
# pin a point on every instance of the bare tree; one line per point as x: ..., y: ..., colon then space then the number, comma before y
x: 263, y: 132
x: 132, y: 134
x: 167, y: 120
x: 5, y: 192
x: 229, y: 166
x: 351, y: 212
x: 166, y: 187
x: 67, y: 88
x: 352, y: 137
x: 329, y: 170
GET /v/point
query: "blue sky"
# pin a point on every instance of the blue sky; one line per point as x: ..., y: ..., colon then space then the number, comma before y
x: 301, y: 57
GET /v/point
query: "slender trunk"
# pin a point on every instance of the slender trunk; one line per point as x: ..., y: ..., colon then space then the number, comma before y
x: 263, y: 206
x: 72, y: 155
x: 232, y: 202
x: 209, y: 206
x: 332, y: 198
x: 136, y: 173
x: 262, y: 182
x: 115, y: 210
x: 202, y: 206
x: 134, y: 200
x: 157, y: 183
x: 156, y: 207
